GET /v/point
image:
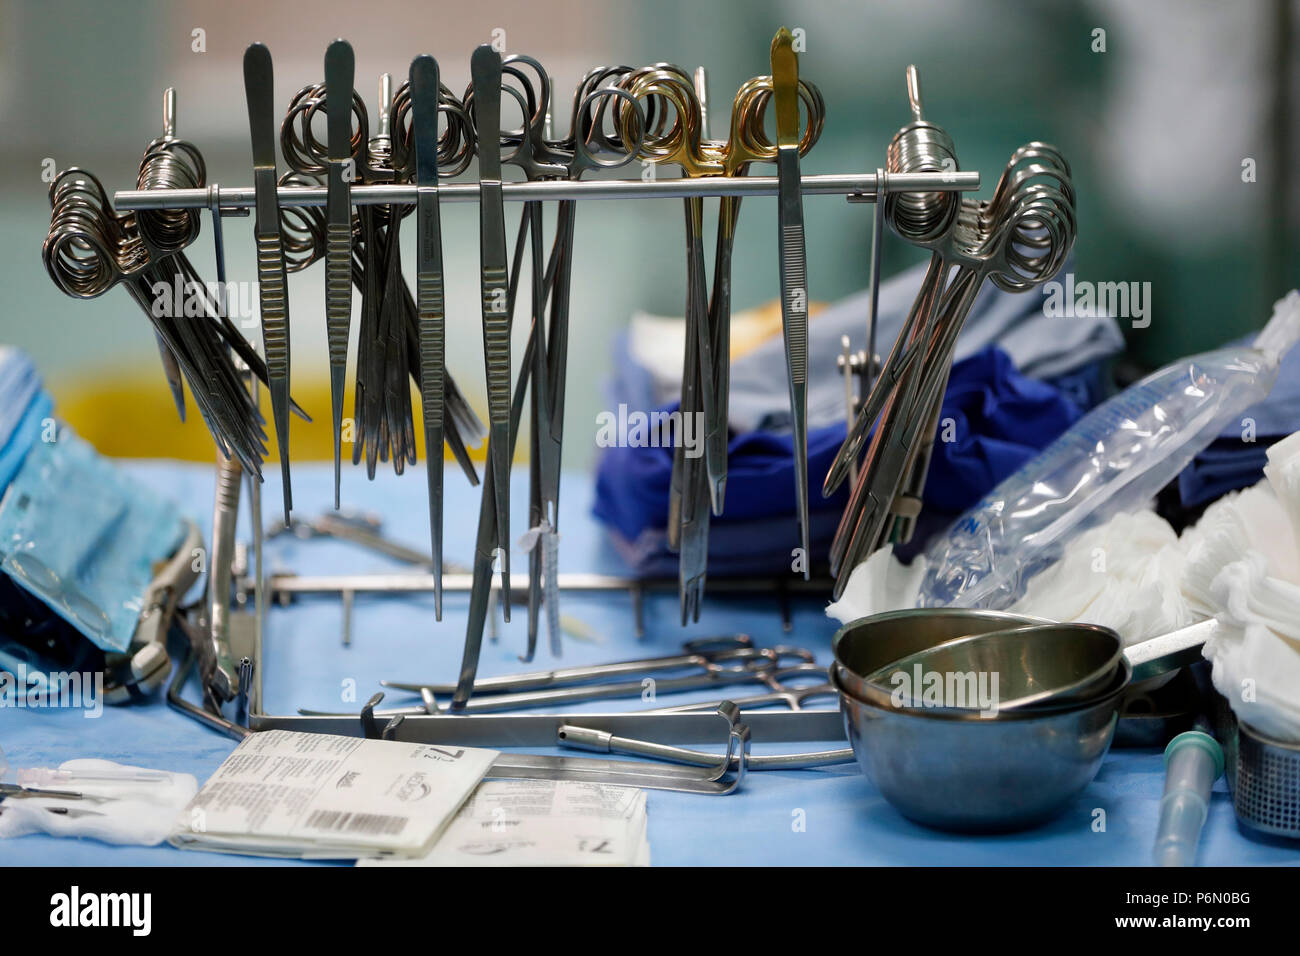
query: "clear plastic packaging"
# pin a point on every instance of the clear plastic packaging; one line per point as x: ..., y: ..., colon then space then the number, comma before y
x: 1112, y: 460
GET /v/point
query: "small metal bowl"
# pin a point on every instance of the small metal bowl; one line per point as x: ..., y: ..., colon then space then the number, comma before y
x: 864, y: 646
x: 975, y: 775
x: 1050, y: 665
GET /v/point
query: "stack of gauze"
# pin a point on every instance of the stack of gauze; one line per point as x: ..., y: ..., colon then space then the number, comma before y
x: 1126, y: 574
x: 1243, y: 567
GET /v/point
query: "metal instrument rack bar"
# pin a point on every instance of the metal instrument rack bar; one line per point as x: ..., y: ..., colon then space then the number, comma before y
x: 858, y: 188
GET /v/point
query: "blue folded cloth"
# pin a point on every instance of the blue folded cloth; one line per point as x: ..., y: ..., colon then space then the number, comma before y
x: 1040, y: 347
x: 997, y: 420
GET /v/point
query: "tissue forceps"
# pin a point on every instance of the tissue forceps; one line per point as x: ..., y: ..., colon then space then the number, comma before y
x: 382, y: 399
x: 340, y: 70
x: 271, y: 276
x: 794, y: 265
x: 429, y: 290
x: 485, y: 71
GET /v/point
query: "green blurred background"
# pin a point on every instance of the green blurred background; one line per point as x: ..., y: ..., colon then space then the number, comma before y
x: 1156, y: 127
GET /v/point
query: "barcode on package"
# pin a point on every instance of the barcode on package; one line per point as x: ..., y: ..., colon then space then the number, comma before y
x: 342, y: 821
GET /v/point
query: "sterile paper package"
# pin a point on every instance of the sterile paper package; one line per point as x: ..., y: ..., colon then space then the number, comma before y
x: 542, y: 823
x: 319, y: 796
x: 1113, y: 460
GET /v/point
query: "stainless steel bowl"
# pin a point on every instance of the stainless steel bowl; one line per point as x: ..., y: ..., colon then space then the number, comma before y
x: 958, y: 771
x: 864, y: 646
x: 1051, y: 665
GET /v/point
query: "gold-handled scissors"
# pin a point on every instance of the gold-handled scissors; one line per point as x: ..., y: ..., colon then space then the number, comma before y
x: 675, y: 134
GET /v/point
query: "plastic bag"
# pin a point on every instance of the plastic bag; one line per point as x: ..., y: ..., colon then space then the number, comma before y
x: 82, y: 537
x: 1113, y: 460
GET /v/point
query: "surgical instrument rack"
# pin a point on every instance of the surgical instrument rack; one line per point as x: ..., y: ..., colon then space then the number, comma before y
x: 679, y: 727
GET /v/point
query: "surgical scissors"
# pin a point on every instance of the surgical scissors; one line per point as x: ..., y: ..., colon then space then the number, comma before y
x: 387, y: 394
x: 539, y: 157
x: 528, y: 152
x: 790, y: 696
x: 305, y: 230
x: 675, y: 135
x: 588, y: 147
x: 1019, y: 238
x: 738, y: 666
x: 90, y: 248
x: 698, y: 653
x: 592, y: 147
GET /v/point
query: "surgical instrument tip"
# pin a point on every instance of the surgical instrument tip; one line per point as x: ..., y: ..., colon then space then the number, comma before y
x: 914, y: 93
